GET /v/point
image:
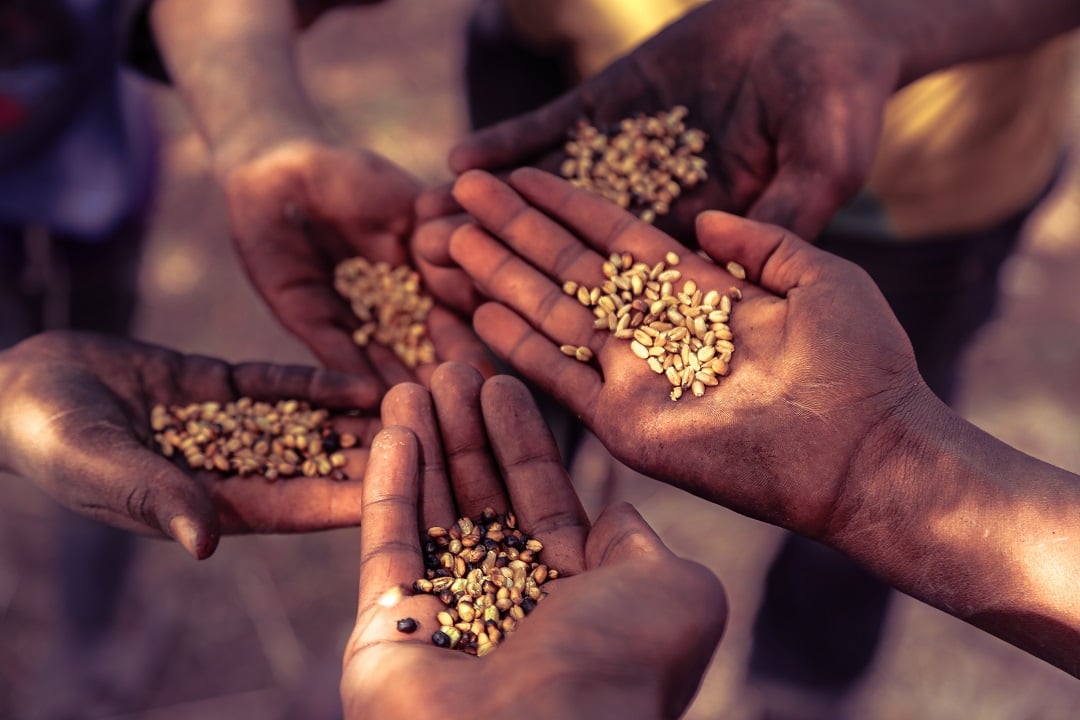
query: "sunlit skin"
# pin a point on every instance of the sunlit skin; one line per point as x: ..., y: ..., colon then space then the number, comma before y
x: 300, y: 198
x: 75, y: 420
x: 823, y: 425
x: 626, y: 632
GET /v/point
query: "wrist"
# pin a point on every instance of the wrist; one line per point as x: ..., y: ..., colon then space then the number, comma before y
x: 933, y: 35
x: 945, y: 512
x: 253, y: 137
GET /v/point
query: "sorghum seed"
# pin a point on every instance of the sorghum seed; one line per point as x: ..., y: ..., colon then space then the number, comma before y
x: 222, y: 436
x: 677, y: 332
x: 488, y: 597
x: 390, y: 304
x: 736, y: 270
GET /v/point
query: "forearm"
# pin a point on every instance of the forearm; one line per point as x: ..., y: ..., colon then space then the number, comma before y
x: 962, y: 521
x: 935, y: 34
x: 234, y: 64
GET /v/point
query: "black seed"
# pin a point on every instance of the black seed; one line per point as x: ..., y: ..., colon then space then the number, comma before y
x: 440, y: 638
x: 528, y: 605
x: 331, y: 442
x: 407, y: 625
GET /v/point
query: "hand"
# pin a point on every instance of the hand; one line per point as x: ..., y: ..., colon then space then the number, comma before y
x: 446, y: 282
x: 75, y: 419
x: 791, y: 94
x: 297, y: 210
x: 627, y: 631
x: 820, y: 362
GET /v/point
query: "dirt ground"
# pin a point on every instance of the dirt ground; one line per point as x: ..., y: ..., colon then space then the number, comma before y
x: 257, y: 631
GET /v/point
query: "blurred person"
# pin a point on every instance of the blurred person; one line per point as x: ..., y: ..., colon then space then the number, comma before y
x: 915, y: 139
x: 77, y: 174
x: 824, y: 425
x: 628, y: 628
x: 300, y: 198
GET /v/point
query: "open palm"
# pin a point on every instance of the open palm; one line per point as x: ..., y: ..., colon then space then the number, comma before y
x: 818, y: 357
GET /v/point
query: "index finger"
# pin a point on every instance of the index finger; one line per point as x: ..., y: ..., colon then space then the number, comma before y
x: 518, y: 140
x: 540, y: 489
x: 389, y: 539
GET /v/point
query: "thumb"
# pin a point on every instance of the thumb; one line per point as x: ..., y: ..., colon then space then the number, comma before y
x: 801, y: 200
x: 619, y: 535
x: 773, y: 258
x: 144, y: 491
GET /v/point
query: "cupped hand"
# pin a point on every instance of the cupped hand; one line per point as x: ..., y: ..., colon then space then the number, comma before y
x: 790, y: 92
x: 819, y: 359
x: 628, y: 628
x: 299, y: 208
x: 75, y: 418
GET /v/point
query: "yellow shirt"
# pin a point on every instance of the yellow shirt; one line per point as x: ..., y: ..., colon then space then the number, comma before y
x: 960, y: 149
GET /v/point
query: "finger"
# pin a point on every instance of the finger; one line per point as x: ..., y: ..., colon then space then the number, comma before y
x: 603, y: 225
x: 505, y: 277
x: 798, y: 199
x: 253, y: 505
x: 388, y: 366
x: 574, y: 384
x: 772, y: 257
x: 431, y: 241
x: 473, y: 474
x: 325, y: 326
x: 540, y: 489
x: 409, y: 405
x: 321, y: 388
x: 621, y: 535
x: 451, y: 287
x: 389, y: 541
x: 134, y: 488
x: 456, y: 341
x: 814, y: 179
x: 532, y: 234
x: 518, y: 140
x: 296, y: 284
x: 434, y: 203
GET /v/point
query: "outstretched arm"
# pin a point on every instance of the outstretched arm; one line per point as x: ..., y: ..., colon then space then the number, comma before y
x: 791, y: 94
x: 625, y: 630
x: 300, y: 198
x: 77, y: 418
x: 822, y: 424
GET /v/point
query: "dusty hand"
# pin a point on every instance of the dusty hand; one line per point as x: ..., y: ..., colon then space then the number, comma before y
x: 790, y: 92
x: 819, y: 359
x: 574, y: 655
x: 297, y: 210
x: 75, y: 419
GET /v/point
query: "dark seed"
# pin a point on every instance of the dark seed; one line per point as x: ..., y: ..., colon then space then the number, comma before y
x: 528, y: 605
x: 331, y: 442
x: 407, y: 625
x: 440, y: 639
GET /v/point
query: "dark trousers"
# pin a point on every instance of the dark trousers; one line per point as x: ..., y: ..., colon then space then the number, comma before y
x: 50, y: 281
x: 822, y: 616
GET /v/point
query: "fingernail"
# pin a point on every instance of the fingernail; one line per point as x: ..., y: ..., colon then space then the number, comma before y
x: 185, y: 532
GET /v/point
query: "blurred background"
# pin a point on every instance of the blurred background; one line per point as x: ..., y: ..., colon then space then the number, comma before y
x: 258, y: 630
